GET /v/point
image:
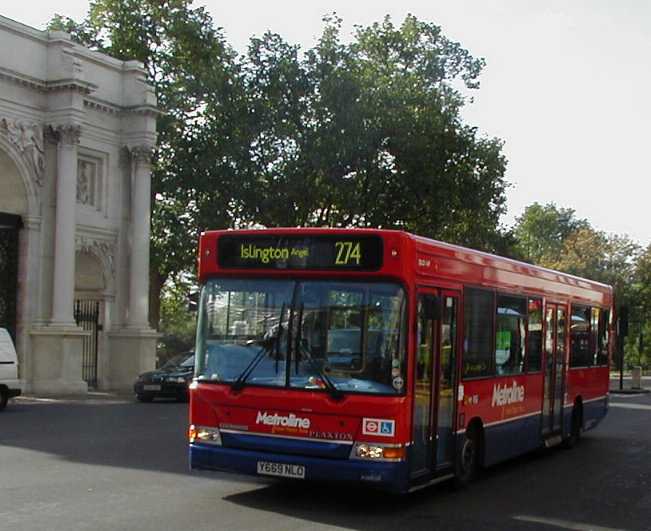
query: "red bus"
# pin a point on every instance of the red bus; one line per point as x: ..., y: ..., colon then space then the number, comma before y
x: 384, y: 358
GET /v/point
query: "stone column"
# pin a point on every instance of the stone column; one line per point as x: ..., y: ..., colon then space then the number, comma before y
x: 133, y: 348
x: 138, y: 317
x: 56, y: 349
x: 64, y: 243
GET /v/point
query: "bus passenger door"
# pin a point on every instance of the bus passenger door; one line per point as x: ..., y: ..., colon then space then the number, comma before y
x: 554, y: 369
x: 445, y: 376
x: 421, y: 455
x: 559, y: 370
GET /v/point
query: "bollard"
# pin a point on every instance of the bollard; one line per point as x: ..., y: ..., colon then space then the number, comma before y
x: 636, y: 376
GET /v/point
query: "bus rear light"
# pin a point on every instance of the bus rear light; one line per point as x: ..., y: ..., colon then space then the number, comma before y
x: 204, y: 434
x: 378, y: 452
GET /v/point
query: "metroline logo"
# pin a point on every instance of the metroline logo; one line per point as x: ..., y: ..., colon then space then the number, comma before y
x: 289, y: 421
x: 503, y: 396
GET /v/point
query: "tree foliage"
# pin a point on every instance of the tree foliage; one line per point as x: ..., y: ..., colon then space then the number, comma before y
x: 541, y: 231
x: 554, y: 237
x: 191, y: 67
x: 369, y: 134
x: 366, y: 133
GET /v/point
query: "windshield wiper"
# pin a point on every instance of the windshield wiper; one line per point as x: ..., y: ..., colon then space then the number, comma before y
x: 332, y: 389
x: 268, y: 345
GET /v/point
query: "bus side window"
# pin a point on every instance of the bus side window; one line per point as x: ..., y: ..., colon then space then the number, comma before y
x: 534, y: 336
x: 580, y: 352
x: 511, y: 316
x: 479, y: 315
x: 602, y: 338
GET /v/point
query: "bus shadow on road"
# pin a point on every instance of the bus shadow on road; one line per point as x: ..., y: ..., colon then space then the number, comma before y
x: 505, y: 496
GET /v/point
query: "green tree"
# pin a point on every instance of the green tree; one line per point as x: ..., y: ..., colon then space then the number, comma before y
x: 195, y: 76
x: 553, y: 237
x: 640, y: 312
x: 369, y: 134
x: 177, y: 322
x: 361, y: 133
x: 643, y: 284
x: 541, y: 232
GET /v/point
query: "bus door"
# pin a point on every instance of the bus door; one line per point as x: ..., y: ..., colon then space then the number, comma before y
x: 555, y: 322
x: 434, y: 373
x: 446, y: 375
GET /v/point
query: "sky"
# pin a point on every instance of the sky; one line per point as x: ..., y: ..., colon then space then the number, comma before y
x: 566, y: 86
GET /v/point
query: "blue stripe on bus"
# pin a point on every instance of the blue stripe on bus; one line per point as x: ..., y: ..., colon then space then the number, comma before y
x: 389, y: 476
x: 509, y: 439
x: 284, y: 445
x: 593, y: 412
x: 512, y: 438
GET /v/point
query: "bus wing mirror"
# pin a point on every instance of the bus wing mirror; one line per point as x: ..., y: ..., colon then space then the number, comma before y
x: 193, y: 301
x: 432, y: 308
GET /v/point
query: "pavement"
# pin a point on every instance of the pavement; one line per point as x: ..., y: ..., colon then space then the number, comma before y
x: 626, y: 384
x: 110, y: 463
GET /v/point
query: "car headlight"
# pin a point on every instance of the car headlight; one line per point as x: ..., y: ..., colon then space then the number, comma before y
x: 378, y: 452
x: 204, y: 434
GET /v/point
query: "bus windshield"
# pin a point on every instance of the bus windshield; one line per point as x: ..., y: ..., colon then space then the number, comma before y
x: 348, y: 336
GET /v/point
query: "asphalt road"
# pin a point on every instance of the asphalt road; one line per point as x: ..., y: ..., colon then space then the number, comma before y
x: 113, y: 464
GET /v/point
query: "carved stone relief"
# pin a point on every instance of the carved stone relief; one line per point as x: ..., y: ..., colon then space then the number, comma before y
x: 89, y: 181
x: 104, y: 250
x: 28, y: 139
x: 68, y: 134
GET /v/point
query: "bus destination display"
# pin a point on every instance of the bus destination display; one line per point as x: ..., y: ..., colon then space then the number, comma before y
x: 343, y: 252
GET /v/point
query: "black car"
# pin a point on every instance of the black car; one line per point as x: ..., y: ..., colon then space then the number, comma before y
x: 170, y: 381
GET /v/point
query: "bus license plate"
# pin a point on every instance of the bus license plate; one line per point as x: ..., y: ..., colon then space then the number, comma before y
x: 282, y: 470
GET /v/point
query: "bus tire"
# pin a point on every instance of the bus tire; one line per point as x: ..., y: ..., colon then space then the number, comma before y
x: 468, y: 457
x: 575, y: 430
x: 4, y: 397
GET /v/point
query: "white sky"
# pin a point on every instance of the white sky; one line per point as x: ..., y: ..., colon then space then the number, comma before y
x: 567, y: 86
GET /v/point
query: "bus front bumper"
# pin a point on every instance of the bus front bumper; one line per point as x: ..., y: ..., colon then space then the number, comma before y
x: 382, y: 475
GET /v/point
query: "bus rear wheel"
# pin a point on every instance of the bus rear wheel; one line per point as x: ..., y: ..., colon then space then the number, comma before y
x: 467, y: 462
x: 575, y: 431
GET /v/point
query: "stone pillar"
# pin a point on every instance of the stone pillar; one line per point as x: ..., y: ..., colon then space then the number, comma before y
x: 138, y: 317
x: 64, y: 242
x: 133, y: 348
x: 57, y: 347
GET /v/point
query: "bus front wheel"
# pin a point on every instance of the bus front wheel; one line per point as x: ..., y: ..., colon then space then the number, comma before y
x: 467, y: 463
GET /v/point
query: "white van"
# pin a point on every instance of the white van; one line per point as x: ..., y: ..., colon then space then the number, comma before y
x: 9, y: 384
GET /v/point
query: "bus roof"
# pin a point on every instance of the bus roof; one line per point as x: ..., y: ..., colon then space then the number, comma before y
x: 407, y: 255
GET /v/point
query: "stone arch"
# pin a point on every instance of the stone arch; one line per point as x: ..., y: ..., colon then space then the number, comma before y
x: 18, y: 188
x: 19, y: 196
x: 95, y: 268
x: 89, y: 274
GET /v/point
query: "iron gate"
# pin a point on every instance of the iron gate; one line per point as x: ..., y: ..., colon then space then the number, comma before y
x: 9, y: 227
x: 87, y: 317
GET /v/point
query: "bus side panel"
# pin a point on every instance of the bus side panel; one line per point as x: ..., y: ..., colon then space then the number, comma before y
x: 591, y: 386
x: 509, y: 408
x: 511, y: 439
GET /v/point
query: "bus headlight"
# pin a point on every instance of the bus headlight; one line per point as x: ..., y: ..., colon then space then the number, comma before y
x: 378, y: 452
x: 204, y: 434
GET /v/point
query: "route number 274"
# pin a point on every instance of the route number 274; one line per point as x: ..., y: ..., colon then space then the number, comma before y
x: 348, y: 253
